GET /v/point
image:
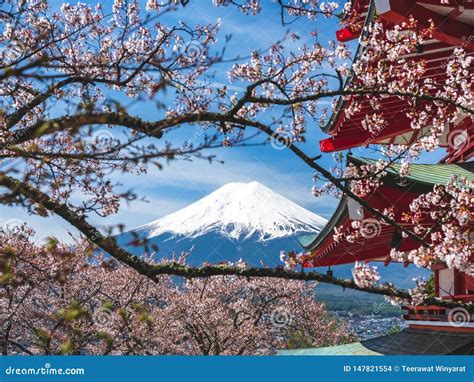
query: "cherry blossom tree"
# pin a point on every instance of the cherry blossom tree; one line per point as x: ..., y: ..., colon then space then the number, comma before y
x: 70, y: 75
x: 56, y: 299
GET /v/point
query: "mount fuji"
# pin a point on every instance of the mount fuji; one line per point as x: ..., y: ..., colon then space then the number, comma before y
x: 238, y: 220
x: 251, y: 222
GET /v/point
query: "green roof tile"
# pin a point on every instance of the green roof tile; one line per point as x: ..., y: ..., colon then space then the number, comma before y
x: 306, y: 240
x: 439, y: 173
x: 355, y: 348
x: 425, y: 174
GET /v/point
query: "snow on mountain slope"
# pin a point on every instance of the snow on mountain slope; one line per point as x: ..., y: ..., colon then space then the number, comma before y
x: 238, y: 211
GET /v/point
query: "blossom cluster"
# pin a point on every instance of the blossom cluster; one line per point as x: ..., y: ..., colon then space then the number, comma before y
x: 364, y: 275
x: 450, y: 208
x: 418, y: 293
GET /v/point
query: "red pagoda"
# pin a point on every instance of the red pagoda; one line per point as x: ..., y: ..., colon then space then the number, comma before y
x: 395, y: 193
x: 454, y: 27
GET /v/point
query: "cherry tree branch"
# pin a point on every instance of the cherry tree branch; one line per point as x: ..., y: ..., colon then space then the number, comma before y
x: 126, y: 120
x: 356, y: 92
x: 156, y: 130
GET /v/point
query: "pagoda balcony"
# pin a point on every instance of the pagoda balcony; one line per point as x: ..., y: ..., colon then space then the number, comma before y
x: 434, y: 317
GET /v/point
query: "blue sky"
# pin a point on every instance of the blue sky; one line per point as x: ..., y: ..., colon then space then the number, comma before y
x: 181, y: 183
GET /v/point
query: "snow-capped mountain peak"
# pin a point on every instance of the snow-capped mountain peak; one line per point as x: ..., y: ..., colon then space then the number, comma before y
x: 238, y: 211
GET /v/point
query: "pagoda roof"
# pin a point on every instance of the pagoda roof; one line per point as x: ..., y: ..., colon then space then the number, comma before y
x: 407, y: 342
x: 452, y: 24
x: 354, y: 348
x: 325, y: 251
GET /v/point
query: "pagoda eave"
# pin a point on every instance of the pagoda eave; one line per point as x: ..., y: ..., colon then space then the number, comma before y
x: 447, y: 27
x: 453, y: 25
x: 394, y: 193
